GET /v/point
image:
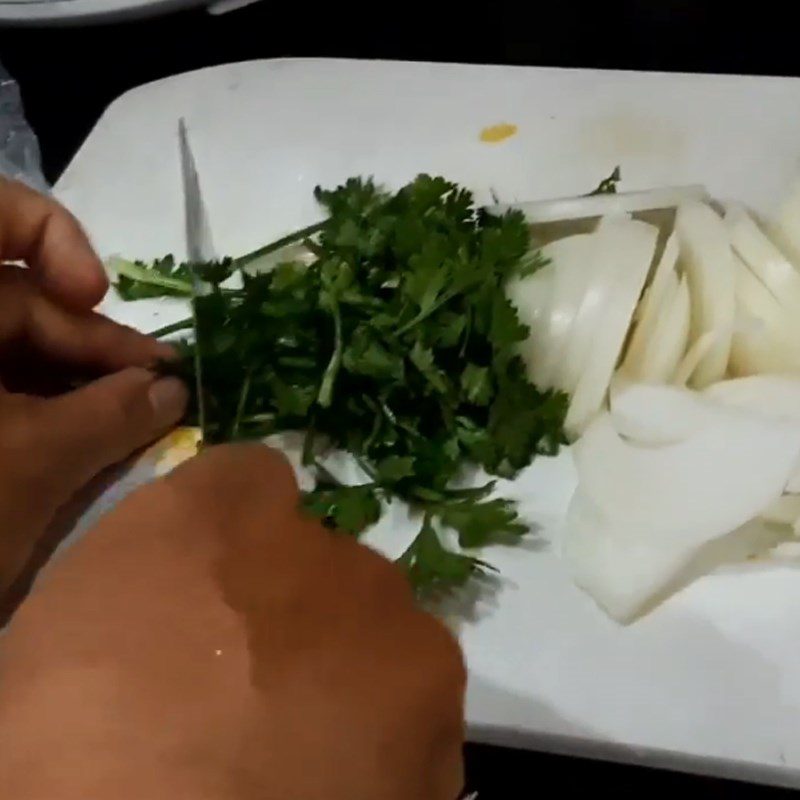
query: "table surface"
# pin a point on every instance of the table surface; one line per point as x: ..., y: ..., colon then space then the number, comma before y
x: 69, y: 76
x: 74, y: 12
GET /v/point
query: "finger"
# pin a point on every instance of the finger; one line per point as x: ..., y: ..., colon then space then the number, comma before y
x: 38, y: 230
x: 87, y: 430
x: 239, y: 476
x: 79, y: 337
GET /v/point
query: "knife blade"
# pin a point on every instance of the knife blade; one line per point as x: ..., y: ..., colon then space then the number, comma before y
x: 199, y: 248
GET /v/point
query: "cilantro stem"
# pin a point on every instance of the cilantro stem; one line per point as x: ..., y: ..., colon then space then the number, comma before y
x: 258, y: 417
x: 374, y: 431
x: 257, y: 426
x: 182, y: 325
x: 467, y: 331
x: 445, y: 298
x: 389, y: 413
x: 197, y: 357
x: 237, y: 421
x: 279, y: 244
x: 369, y: 471
x: 332, y: 370
x: 427, y: 495
x: 608, y: 185
x: 151, y: 277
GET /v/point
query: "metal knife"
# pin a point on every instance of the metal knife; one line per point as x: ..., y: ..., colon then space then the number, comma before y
x: 199, y: 248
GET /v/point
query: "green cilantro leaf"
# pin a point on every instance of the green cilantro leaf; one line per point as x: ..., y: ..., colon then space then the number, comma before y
x: 393, y: 340
x: 476, y: 383
x: 164, y: 277
x: 480, y: 523
x: 351, y: 509
x: 394, y: 468
x: 424, y: 360
x: 432, y: 567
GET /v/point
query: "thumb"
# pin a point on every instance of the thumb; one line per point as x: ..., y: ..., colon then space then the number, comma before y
x: 103, y: 423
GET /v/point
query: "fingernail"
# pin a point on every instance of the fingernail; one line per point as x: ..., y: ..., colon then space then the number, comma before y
x: 168, y: 397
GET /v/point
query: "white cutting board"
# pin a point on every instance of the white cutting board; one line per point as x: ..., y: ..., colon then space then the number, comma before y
x: 711, y: 680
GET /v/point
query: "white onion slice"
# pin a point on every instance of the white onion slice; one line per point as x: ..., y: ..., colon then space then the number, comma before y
x: 766, y: 338
x: 599, y: 277
x: 642, y: 514
x: 532, y: 297
x: 613, y: 216
x: 784, y: 511
x: 653, y: 415
x: 624, y: 254
x: 601, y: 205
x: 663, y: 352
x: 656, y: 299
x: 666, y: 265
x: 775, y: 396
x: 785, y: 230
x: 759, y: 322
x: 708, y: 262
x: 575, y: 273
x: 765, y: 261
x: 628, y: 579
x: 577, y: 348
x: 692, y: 357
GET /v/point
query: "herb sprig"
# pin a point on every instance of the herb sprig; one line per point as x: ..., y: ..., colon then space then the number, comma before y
x: 396, y: 343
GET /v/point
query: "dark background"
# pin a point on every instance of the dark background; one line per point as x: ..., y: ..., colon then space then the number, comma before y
x: 69, y: 75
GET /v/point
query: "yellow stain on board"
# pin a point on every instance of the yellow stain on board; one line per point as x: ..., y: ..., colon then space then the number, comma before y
x: 494, y: 134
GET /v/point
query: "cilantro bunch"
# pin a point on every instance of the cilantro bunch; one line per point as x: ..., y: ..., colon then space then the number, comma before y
x: 397, y: 343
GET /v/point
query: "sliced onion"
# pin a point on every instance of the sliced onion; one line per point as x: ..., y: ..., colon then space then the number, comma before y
x: 785, y: 230
x: 666, y: 345
x: 653, y: 415
x: 601, y: 205
x: 613, y: 216
x: 642, y: 514
x: 759, y: 321
x: 666, y: 265
x: 692, y: 357
x: 766, y: 339
x: 625, y: 251
x: 579, y: 343
x: 628, y: 579
x: 708, y: 262
x: 602, y: 274
x: 784, y: 511
x: 656, y: 299
x: 573, y: 261
x: 785, y: 553
x: 774, y: 396
x: 599, y: 277
x: 763, y: 258
x: 532, y: 297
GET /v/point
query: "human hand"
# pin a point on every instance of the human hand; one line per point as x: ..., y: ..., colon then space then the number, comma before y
x: 206, y: 641
x: 50, y: 447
